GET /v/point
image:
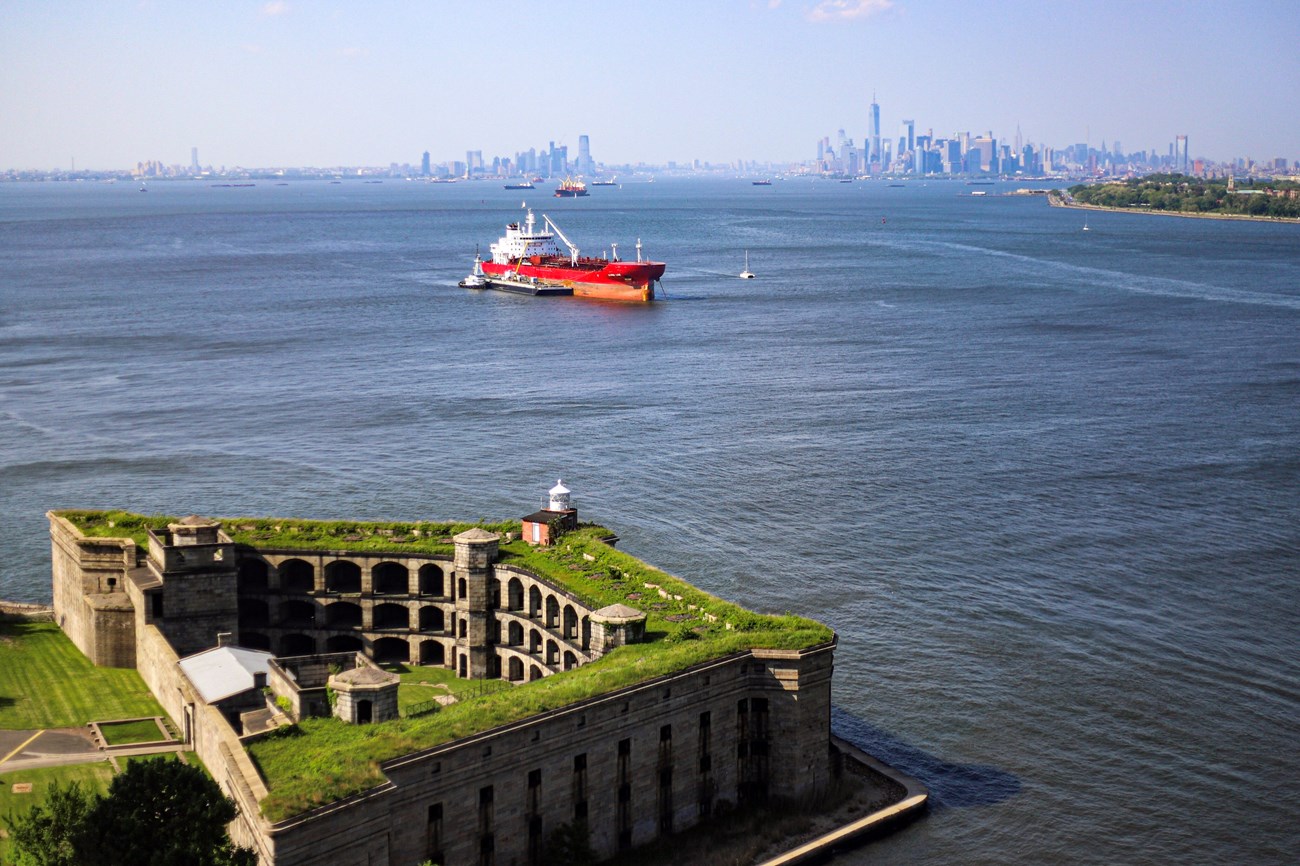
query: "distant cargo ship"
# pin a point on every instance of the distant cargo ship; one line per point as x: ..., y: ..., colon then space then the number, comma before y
x: 613, y: 181
x: 528, y: 260
x: 570, y: 188
x: 524, y: 185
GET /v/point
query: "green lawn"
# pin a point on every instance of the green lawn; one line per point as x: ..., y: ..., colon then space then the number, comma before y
x: 128, y: 760
x: 45, y: 682
x: 94, y: 777
x: 126, y: 733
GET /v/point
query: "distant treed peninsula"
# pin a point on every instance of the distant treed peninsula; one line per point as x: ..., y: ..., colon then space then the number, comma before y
x: 1184, y: 194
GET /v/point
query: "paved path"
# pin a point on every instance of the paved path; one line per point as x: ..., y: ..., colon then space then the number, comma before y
x: 29, y: 750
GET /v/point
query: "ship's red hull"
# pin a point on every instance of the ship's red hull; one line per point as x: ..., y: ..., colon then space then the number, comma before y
x: 589, y: 278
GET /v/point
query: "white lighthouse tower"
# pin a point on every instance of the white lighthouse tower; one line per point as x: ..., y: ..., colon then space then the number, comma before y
x: 559, y: 498
x: 557, y: 517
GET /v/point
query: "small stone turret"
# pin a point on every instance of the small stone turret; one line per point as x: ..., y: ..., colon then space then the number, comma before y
x: 365, y: 694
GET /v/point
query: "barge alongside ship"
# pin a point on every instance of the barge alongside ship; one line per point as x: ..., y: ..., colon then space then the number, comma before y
x: 528, y: 260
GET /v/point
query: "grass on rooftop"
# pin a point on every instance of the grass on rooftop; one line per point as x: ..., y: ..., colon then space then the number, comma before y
x: 45, y: 682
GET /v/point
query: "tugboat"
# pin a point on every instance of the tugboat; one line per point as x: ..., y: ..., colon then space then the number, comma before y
x: 476, y: 279
x: 570, y: 188
x: 528, y: 260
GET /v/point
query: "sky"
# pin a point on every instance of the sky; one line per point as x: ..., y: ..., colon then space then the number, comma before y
x: 329, y: 83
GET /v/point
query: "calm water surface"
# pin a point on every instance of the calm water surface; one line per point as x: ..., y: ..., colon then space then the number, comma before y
x: 1044, y: 483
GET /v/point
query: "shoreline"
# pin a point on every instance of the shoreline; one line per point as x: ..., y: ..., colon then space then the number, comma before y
x: 1055, y: 200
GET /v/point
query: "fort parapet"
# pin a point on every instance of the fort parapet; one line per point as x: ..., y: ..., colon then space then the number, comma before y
x: 642, y: 746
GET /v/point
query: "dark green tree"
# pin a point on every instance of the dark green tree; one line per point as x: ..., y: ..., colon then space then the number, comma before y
x: 161, y: 813
x: 47, y: 834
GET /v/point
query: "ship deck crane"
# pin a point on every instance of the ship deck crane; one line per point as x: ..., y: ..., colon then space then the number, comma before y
x: 573, y: 251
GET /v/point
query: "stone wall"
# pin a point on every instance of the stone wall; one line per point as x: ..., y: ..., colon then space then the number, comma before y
x: 208, y: 734
x: 86, y: 573
x: 640, y: 762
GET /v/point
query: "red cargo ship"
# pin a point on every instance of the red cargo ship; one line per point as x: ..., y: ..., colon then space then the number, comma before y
x: 529, y: 261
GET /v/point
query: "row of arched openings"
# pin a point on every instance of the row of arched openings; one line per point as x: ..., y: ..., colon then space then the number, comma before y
x: 383, y: 650
x: 298, y: 613
x: 341, y: 575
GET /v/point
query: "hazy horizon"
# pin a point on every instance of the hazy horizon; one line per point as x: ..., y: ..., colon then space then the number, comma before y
x: 328, y: 83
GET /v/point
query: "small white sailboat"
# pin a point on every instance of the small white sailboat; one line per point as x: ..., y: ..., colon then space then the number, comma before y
x: 1085, y: 225
x: 746, y: 274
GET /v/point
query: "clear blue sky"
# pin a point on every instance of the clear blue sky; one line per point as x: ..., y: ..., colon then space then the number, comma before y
x: 294, y: 82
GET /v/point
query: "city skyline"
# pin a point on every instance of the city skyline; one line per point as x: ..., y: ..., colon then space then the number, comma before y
x: 321, y: 84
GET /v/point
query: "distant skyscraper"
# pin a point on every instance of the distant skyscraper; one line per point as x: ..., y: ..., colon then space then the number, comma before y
x: 585, y: 165
x: 194, y: 160
x: 1180, y: 153
x: 873, y: 121
x: 907, y: 136
x: 424, y: 164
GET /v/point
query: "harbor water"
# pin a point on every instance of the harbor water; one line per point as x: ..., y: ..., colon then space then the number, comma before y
x: 1044, y: 483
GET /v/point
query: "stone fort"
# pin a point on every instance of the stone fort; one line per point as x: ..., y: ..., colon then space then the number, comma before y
x: 236, y: 638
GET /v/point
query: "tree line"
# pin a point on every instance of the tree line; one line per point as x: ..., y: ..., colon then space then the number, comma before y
x: 1181, y: 193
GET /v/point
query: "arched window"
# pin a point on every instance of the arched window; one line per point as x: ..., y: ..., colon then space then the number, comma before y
x: 253, y: 573
x: 431, y: 580
x: 344, y: 643
x: 297, y: 576
x: 391, y: 578
x: 431, y: 619
x: 392, y: 649
x: 515, y: 594
x: 342, y: 575
x: 297, y: 645
x: 392, y: 616
x: 297, y: 613
x: 343, y: 614
x: 432, y: 652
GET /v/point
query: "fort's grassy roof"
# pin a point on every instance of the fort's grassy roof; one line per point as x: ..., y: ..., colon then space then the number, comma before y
x: 322, y: 760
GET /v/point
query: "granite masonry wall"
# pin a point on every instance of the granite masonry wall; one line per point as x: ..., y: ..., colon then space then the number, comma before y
x: 634, y: 764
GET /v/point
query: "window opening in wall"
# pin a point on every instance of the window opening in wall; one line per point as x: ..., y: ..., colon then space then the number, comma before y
x: 624, y: 815
x: 433, y: 834
x: 533, y: 805
x: 535, y: 846
x: 752, y: 750
x: 156, y: 605
x: 580, y: 787
x: 665, y: 801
